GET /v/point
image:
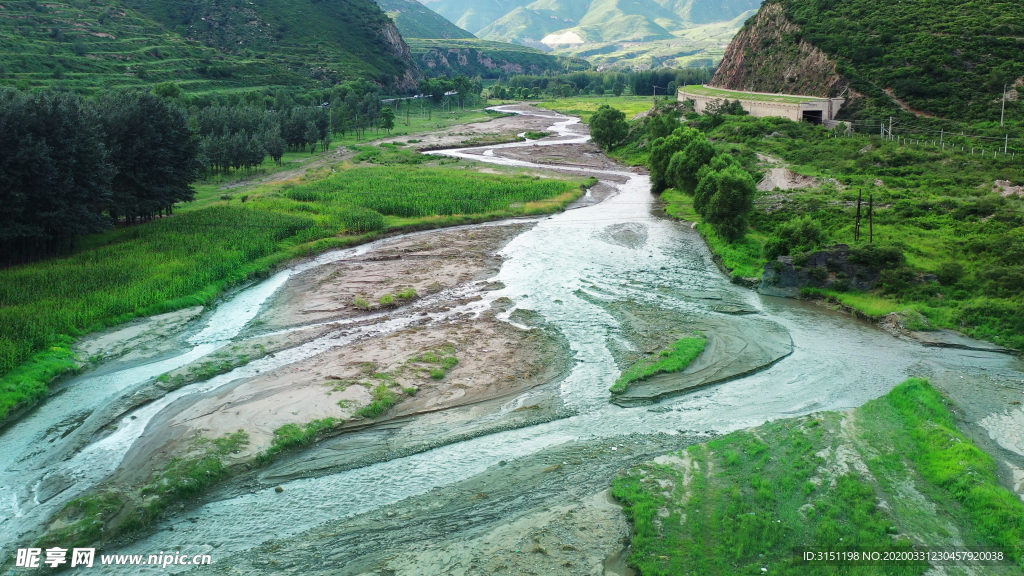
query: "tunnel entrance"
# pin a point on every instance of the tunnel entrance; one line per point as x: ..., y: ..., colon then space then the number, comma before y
x: 812, y: 116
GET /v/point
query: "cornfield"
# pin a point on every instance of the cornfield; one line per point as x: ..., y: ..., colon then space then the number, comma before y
x: 140, y: 268
x: 414, y: 192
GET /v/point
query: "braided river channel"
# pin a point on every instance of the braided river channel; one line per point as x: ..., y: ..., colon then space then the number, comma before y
x: 608, y: 276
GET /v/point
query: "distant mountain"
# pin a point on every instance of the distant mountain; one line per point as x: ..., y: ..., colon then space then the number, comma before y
x: 949, y: 58
x: 327, y: 40
x: 414, y: 20
x: 566, y: 22
x: 474, y: 15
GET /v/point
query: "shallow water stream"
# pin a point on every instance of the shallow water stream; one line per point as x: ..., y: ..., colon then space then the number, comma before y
x: 564, y: 269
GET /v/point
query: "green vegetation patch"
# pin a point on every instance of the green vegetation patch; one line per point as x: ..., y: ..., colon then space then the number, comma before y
x: 674, y: 359
x: 27, y: 384
x: 293, y: 436
x: 85, y: 519
x: 383, y: 399
x: 890, y: 475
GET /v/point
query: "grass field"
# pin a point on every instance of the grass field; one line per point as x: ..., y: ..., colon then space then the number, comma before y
x: 585, y: 106
x: 189, y: 259
x: 903, y: 475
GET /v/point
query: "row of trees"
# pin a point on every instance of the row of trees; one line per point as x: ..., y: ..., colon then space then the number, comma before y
x: 242, y: 137
x: 644, y: 83
x: 70, y: 167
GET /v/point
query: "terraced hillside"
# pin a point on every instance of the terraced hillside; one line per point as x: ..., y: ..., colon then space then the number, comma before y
x: 414, y: 20
x: 948, y: 58
x: 326, y: 40
x: 88, y: 45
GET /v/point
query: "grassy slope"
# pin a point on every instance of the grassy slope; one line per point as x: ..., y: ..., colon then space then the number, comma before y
x: 191, y: 258
x: 105, y: 45
x: 938, y: 207
x: 746, y: 500
x: 414, y: 20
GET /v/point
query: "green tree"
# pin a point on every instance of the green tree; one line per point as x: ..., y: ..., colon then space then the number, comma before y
x: 54, y: 174
x: 153, y: 150
x: 167, y: 90
x: 608, y: 127
x: 684, y: 167
x: 387, y: 119
x: 617, y: 88
x: 726, y: 199
x: 662, y: 150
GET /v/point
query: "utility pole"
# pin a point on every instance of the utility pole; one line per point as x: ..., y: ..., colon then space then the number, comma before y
x: 856, y: 228
x: 1006, y: 144
x: 1002, y: 114
x: 871, y: 219
x: 890, y: 127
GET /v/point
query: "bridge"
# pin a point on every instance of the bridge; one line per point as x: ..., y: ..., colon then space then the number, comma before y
x: 759, y: 104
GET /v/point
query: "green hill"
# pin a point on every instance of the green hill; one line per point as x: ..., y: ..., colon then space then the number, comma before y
x: 474, y: 15
x: 948, y: 58
x: 200, y: 44
x: 86, y: 46
x: 326, y: 40
x: 414, y: 20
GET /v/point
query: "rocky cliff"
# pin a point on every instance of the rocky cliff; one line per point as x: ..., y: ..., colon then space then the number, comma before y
x: 769, y: 55
x: 410, y: 80
x: 828, y: 269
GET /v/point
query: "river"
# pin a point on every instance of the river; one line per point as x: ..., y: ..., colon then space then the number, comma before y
x: 566, y: 268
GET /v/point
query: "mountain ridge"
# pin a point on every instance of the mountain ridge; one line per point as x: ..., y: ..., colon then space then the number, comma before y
x: 414, y: 20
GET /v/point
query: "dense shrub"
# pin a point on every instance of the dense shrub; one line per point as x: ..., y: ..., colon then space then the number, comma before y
x: 797, y: 235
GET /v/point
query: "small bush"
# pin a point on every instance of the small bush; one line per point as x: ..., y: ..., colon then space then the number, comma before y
x: 408, y: 294
x: 437, y: 373
x: 387, y: 300
x: 949, y: 273
x: 878, y: 257
x: 361, y: 303
x: 383, y: 399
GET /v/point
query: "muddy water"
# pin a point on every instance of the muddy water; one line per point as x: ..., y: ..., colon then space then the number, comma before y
x: 567, y: 269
